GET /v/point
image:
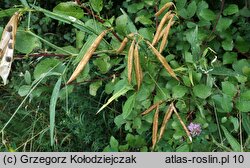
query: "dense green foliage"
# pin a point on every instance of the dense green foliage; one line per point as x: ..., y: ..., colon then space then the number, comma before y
x: 208, y: 49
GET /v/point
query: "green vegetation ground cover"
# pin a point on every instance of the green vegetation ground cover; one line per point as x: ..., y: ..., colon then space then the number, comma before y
x: 208, y: 49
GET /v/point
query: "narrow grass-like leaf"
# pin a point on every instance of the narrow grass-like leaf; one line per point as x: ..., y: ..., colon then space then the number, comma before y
x: 246, y: 122
x: 121, y: 92
x: 182, y: 123
x: 163, y: 61
x: 232, y: 141
x: 167, y: 116
x: 167, y: 5
x: 52, y: 109
x: 155, y: 127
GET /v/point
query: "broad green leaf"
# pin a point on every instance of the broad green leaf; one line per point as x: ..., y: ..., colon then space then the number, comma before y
x: 135, y: 7
x: 227, y: 45
x: 223, y: 103
x: 223, y: 24
x: 179, y: 91
x: 46, y: 65
x: 231, y: 9
x: 93, y: 87
x: 24, y: 90
x: 97, y: 5
x: 147, y: 33
x: 25, y: 3
x: 191, y: 9
x: 240, y: 65
x: 103, y: 64
x: 192, y: 38
x: 242, y: 45
x: 207, y: 14
x: 143, y: 20
x: 113, y: 143
x: 232, y: 141
x: 182, y: 148
x: 128, y: 106
x: 246, y: 122
x: 202, y: 91
x: 181, y: 4
x: 26, y: 43
x: 245, y: 12
x: 229, y: 57
x: 243, y: 106
x: 70, y: 9
x: 130, y: 24
x: 119, y: 93
x: 229, y: 89
x: 188, y: 57
x: 223, y: 71
x: 52, y: 109
x: 119, y: 121
x: 245, y: 95
x: 79, y: 38
x: 235, y: 122
x: 121, y: 24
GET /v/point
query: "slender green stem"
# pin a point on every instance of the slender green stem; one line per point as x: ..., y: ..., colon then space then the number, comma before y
x: 50, y: 44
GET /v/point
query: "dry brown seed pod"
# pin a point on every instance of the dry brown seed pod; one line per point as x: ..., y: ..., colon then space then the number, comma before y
x: 163, y: 61
x: 164, y: 29
x: 130, y: 60
x: 151, y: 108
x: 87, y: 56
x: 167, y: 5
x: 138, y: 71
x: 182, y: 123
x: 123, y: 45
x: 155, y: 127
x: 159, y: 28
x: 167, y: 116
x: 165, y: 36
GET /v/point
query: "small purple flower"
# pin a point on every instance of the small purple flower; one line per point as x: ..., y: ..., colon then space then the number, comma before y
x: 195, y: 129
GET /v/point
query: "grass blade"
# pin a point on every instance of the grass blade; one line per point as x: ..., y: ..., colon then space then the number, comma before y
x: 124, y: 90
x: 52, y: 108
x: 232, y: 141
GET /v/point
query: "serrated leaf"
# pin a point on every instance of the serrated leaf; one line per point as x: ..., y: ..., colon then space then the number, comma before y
x: 52, y: 109
x: 70, y: 9
x: 202, y: 91
x: 128, y: 106
x: 232, y: 141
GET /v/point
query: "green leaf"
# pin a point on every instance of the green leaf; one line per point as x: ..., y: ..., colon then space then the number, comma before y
x: 70, y: 9
x: 242, y: 45
x: 229, y: 89
x: 245, y: 95
x: 113, y: 143
x: 25, y: 3
x: 128, y: 106
x: 243, y: 106
x: 188, y: 57
x: 26, y: 43
x: 192, y: 38
x: 119, y: 121
x: 8, y: 12
x: 227, y: 45
x: 52, y: 109
x: 27, y: 77
x: 235, y: 122
x: 97, y: 5
x: 245, y: 12
x: 179, y: 91
x: 119, y: 93
x: 191, y: 9
x: 93, y: 87
x: 223, y: 24
x: 182, y: 148
x: 229, y: 57
x: 46, y: 65
x: 246, y: 122
x: 207, y: 14
x: 143, y: 20
x: 240, y: 65
x: 223, y: 71
x: 223, y: 103
x: 24, y: 90
x: 232, y: 141
x: 231, y: 9
x: 121, y: 24
x: 202, y: 91
x: 135, y: 7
